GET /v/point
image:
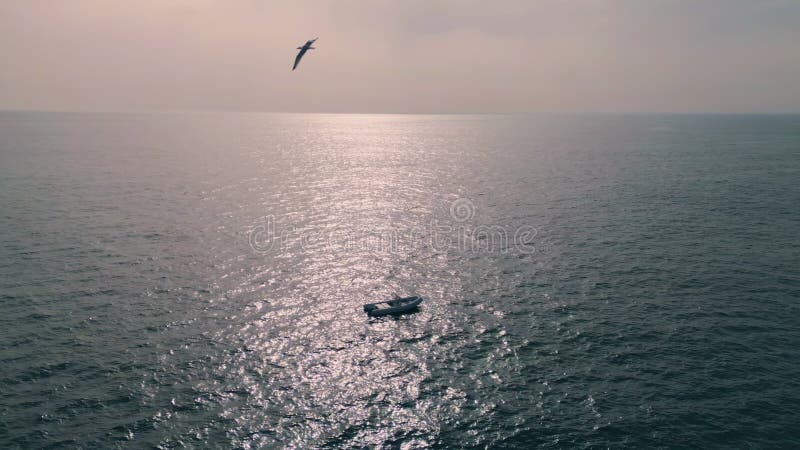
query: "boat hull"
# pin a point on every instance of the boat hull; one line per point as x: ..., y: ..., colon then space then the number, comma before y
x: 393, y: 307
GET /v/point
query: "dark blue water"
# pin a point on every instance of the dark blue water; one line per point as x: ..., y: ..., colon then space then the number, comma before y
x: 196, y: 280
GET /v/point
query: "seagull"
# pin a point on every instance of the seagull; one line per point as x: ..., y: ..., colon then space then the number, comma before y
x: 303, y: 50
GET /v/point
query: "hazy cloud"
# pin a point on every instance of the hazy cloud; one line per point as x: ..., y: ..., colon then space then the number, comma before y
x: 402, y: 56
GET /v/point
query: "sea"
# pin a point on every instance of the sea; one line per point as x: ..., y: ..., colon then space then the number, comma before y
x: 196, y: 280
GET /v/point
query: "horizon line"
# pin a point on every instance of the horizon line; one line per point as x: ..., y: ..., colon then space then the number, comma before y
x: 402, y: 113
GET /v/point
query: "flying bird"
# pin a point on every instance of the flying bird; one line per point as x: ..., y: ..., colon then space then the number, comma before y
x: 303, y: 51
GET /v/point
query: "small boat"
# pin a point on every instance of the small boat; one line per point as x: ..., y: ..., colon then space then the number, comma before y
x: 395, y: 306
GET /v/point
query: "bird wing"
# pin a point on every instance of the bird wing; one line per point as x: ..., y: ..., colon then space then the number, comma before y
x: 299, y: 57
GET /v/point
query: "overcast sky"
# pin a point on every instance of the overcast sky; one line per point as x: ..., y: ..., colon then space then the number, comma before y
x: 402, y: 56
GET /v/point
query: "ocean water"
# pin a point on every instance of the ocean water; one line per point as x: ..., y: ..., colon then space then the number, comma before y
x: 196, y: 280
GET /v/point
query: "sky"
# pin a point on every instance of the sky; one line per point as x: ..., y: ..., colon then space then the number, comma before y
x: 404, y: 56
